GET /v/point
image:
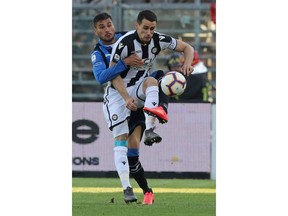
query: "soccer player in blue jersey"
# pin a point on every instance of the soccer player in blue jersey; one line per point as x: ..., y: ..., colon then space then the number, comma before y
x: 100, y: 57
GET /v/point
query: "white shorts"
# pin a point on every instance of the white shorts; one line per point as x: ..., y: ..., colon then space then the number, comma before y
x: 114, y: 109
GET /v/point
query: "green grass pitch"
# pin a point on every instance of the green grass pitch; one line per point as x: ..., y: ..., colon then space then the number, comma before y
x: 172, y: 197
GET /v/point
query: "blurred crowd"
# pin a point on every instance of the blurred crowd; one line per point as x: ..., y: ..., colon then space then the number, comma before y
x: 197, y: 83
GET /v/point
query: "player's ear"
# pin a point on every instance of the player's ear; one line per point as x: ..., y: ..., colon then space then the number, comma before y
x: 94, y: 28
x: 136, y: 25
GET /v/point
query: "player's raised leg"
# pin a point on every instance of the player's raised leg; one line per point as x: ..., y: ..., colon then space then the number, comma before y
x: 151, y: 136
x: 151, y: 106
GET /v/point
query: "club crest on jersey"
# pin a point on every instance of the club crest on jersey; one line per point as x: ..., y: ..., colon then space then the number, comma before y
x: 114, y: 117
x: 120, y: 46
x: 116, y: 57
x: 154, y: 50
x: 93, y: 58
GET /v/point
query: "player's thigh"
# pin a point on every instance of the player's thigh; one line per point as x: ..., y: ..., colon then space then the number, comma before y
x: 135, y: 138
x: 136, y: 118
x: 120, y: 131
x: 114, y: 109
x: 137, y: 127
x: 138, y: 90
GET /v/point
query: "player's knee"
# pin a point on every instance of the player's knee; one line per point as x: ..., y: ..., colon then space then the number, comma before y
x: 150, y: 81
x: 133, y: 142
x: 121, y: 137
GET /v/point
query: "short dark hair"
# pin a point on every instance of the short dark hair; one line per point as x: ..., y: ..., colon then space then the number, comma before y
x: 101, y: 16
x: 146, y: 14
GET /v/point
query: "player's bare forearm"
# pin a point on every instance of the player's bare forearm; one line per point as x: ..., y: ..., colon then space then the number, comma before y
x: 188, y: 54
x: 187, y: 67
x: 118, y: 84
x: 120, y: 87
x: 188, y: 51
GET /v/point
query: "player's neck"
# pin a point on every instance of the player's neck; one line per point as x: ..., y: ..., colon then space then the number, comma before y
x: 107, y: 43
x: 140, y: 41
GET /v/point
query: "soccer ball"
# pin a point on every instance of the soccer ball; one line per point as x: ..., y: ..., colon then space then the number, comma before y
x: 173, y: 83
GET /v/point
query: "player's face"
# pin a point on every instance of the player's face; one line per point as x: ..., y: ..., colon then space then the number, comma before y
x: 145, y: 30
x: 105, y: 30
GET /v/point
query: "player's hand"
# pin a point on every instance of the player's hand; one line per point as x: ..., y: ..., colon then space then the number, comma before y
x: 187, y: 69
x: 133, y: 60
x: 131, y: 104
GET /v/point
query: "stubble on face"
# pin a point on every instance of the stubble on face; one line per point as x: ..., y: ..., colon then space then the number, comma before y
x: 105, y: 30
x: 145, y: 30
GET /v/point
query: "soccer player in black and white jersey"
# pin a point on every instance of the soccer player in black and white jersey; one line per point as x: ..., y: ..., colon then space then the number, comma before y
x: 100, y: 58
x: 133, y: 88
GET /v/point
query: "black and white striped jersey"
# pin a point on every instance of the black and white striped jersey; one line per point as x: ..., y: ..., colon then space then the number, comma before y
x: 130, y: 43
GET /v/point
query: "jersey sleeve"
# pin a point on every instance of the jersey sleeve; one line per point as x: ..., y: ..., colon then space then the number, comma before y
x: 103, y: 74
x: 119, y: 52
x: 167, y: 42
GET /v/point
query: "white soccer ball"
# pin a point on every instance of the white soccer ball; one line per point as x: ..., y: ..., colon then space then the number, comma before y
x: 173, y: 83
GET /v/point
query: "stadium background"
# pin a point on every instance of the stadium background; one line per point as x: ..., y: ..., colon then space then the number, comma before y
x: 191, y: 21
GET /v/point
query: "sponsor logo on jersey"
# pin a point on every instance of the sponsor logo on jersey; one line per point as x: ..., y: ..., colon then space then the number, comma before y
x: 137, y: 51
x: 93, y: 58
x: 161, y: 37
x: 148, y: 62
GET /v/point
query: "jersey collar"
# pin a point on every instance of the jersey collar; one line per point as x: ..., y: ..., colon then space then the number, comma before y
x: 107, y: 47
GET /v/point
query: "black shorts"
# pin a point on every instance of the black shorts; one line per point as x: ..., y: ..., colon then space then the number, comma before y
x: 137, y: 118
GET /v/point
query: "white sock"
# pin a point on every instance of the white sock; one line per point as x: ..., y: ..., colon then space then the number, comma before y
x: 122, y: 165
x: 150, y: 121
x: 152, y: 97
